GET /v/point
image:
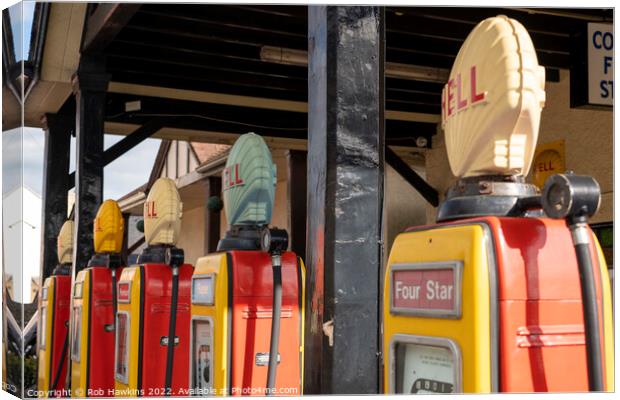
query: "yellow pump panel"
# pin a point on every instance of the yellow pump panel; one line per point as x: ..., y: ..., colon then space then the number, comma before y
x: 64, y: 243
x: 469, y: 337
x: 216, y: 265
x: 108, y: 228
x: 126, y: 365
x: 79, y: 358
x: 608, y: 328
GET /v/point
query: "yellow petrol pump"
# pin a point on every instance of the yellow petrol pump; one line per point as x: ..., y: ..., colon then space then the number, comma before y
x: 53, y: 338
x: 247, y: 299
x: 152, y: 321
x: 509, y: 291
x: 94, y: 308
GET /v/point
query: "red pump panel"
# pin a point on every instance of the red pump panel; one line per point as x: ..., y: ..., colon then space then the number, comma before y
x: 542, y: 342
x: 155, y: 318
x: 62, y: 307
x: 252, y: 297
x: 101, y: 341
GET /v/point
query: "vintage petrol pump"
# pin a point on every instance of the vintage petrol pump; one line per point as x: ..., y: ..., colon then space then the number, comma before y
x: 153, y: 305
x: 248, y: 292
x: 499, y: 296
x: 53, y: 339
x: 94, y: 308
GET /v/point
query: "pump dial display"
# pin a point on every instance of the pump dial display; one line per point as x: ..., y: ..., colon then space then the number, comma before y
x: 202, y: 357
x: 425, y: 365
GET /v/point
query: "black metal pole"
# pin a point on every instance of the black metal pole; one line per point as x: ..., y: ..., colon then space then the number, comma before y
x: 57, y: 130
x: 89, y: 85
x: 581, y: 241
x: 346, y: 145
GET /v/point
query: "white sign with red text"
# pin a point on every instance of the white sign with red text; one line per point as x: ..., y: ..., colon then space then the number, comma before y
x: 427, y: 289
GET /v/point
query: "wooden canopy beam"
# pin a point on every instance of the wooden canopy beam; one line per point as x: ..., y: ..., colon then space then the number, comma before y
x: 105, y: 23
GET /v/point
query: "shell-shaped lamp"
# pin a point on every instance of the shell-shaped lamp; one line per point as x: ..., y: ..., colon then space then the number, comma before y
x: 64, y: 243
x: 248, y: 182
x: 108, y: 228
x: 492, y: 102
x: 162, y: 213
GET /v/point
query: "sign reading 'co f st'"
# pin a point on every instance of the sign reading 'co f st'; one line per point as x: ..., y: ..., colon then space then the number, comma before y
x: 600, y: 64
x: 592, y: 74
x: 427, y: 289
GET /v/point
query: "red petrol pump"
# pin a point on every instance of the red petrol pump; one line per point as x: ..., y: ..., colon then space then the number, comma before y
x: 153, y: 317
x: 247, y: 298
x: 508, y: 291
x: 53, y: 338
x: 94, y: 308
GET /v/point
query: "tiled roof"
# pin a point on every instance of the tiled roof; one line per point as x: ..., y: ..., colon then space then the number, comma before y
x: 209, y: 151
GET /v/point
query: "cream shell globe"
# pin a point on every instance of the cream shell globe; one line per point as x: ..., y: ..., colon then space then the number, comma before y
x: 492, y: 102
x: 162, y: 213
x: 64, y: 243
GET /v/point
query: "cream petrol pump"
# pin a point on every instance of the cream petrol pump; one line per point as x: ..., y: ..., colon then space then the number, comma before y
x: 53, y: 338
x: 247, y: 298
x: 499, y: 296
x: 152, y: 321
x: 94, y: 308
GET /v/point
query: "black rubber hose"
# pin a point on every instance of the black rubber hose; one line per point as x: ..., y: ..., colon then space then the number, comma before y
x: 171, y: 330
x: 590, y: 313
x: 275, y: 326
x: 114, y: 299
x: 65, y: 349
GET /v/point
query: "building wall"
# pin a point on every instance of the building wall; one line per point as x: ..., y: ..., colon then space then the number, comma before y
x: 280, y: 217
x: 404, y: 206
x: 192, y: 236
x: 588, y: 136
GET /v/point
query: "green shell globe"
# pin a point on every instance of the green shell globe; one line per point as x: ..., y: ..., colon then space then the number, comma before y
x: 248, y: 182
x: 140, y: 225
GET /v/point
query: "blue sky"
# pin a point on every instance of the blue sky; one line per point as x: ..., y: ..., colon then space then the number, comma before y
x: 21, y: 18
x: 120, y: 177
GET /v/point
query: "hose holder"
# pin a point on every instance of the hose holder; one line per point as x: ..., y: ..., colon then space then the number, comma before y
x: 571, y: 197
x: 174, y: 257
x: 274, y: 241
